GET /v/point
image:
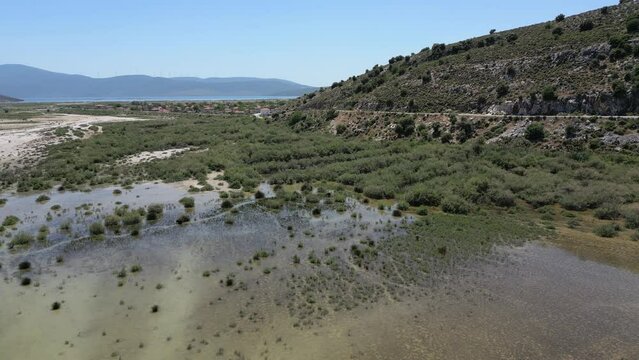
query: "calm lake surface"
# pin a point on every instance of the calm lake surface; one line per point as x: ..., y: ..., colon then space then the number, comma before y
x: 217, y: 298
x: 151, y: 98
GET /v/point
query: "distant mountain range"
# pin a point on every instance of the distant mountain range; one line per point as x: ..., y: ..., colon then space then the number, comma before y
x: 6, y: 99
x: 31, y: 83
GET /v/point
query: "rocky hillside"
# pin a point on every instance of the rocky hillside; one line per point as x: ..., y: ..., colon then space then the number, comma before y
x: 588, y: 63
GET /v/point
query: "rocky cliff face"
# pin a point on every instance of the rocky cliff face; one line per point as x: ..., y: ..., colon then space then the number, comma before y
x: 591, y: 104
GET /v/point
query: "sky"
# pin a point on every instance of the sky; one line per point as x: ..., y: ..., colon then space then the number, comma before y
x: 314, y: 42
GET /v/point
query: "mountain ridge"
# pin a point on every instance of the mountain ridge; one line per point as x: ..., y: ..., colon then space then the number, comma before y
x: 30, y: 83
x: 7, y: 99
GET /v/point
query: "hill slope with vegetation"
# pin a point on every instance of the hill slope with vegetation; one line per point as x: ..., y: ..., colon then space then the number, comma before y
x: 587, y: 63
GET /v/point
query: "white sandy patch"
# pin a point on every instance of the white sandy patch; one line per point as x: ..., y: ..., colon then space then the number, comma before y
x: 147, y: 156
x: 212, y: 178
x: 23, y: 143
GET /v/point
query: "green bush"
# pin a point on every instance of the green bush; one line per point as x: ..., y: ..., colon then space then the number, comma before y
x: 42, y: 199
x: 10, y: 221
x: 405, y: 127
x: 112, y: 222
x: 608, y: 212
x: 560, y: 18
x: 535, y: 132
x: 632, y: 25
x: 402, y: 205
x: 131, y: 218
x: 154, y: 212
x: 183, y: 219
x: 502, y: 90
x: 456, y: 205
x: 582, y: 200
x: 502, y: 198
x: 548, y: 94
x: 607, y: 230
x: 423, y: 196
x: 188, y: 202
x: 21, y: 239
x: 631, y: 218
x: 378, y: 192
x: 96, y: 229
x: 619, y: 89
x: 586, y: 25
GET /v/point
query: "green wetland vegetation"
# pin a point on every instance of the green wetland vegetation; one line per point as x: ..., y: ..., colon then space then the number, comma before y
x: 418, y: 177
x: 458, y: 178
x: 302, y: 233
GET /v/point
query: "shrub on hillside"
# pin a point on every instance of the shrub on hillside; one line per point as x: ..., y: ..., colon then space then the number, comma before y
x: 571, y: 131
x: 560, y: 18
x: 535, y: 132
x: 632, y: 25
x: 619, y: 89
x: 502, y: 90
x: 405, y: 127
x: 558, y: 31
x: 548, y: 94
x: 586, y: 25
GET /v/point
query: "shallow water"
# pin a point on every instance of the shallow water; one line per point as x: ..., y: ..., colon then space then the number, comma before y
x: 531, y: 302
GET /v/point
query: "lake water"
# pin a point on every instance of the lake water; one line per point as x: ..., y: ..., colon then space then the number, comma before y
x: 154, y: 98
x: 535, y: 301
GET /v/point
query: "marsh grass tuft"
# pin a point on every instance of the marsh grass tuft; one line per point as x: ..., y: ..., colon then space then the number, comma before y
x: 183, y: 219
x: 188, y: 202
x: 42, y: 199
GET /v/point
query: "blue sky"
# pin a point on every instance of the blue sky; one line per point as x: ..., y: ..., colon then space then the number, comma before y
x: 314, y: 42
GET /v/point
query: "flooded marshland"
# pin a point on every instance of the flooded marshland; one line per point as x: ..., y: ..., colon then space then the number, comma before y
x: 251, y: 282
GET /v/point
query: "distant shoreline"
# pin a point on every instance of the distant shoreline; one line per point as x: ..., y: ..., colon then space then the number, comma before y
x: 152, y: 98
